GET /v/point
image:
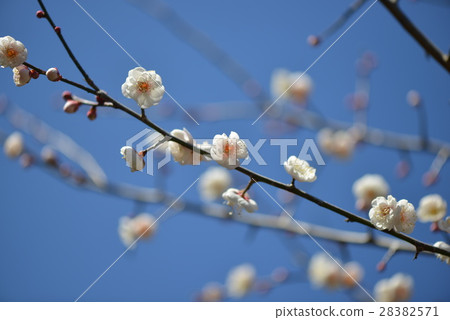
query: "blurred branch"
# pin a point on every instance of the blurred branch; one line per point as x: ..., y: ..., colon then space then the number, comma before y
x: 218, y: 211
x: 430, y: 47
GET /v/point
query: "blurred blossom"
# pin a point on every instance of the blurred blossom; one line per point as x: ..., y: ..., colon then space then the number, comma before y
x: 395, y: 289
x: 300, y: 170
x: 12, y: 52
x: 432, y: 208
x: 13, y: 145
x: 339, y: 143
x: 291, y: 85
x: 353, y: 274
x: 212, y: 292
x: 213, y: 182
x: 324, y: 272
x: 444, y: 224
x: 145, y: 87
x: 142, y: 226
x: 240, y: 280
x: 367, y: 188
x: 413, y: 98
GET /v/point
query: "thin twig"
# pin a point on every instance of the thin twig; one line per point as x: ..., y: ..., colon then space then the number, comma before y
x: 430, y: 47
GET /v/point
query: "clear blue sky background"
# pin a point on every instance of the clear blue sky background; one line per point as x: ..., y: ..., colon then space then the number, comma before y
x: 55, y: 240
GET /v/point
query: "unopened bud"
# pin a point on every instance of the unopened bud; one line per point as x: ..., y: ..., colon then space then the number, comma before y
x: 67, y: 95
x: 313, y: 40
x: 381, y: 266
x: 92, y: 113
x: 71, y: 106
x: 26, y: 160
x: 34, y: 74
x: 21, y: 75
x: 58, y: 30
x: 53, y: 74
x: 413, y: 98
x: 40, y: 14
x: 49, y: 157
x: 434, y: 227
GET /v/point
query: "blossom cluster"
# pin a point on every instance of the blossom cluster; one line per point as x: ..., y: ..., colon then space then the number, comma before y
x: 324, y: 272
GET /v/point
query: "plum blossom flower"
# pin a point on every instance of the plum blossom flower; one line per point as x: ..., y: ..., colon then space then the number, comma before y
x: 352, y: 275
x: 12, y: 52
x: 227, y: 151
x: 133, y: 159
x: 240, y: 280
x: 180, y: 153
x: 384, y: 212
x: 395, y: 289
x: 13, y: 145
x: 324, y: 272
x: 291, y: 85
x: 300, y: 170
x: 211, y: 292
x: 444, y: 224
x: 213, y: 182
x: 407, y: 217
x: 145, y: 87
x: 235, y: 199
x: 367, y: 188
x: 142, y: 226
x: 444, y: 246
x: 21, y: 75
x: 340, y: 143
x: 432, y: 208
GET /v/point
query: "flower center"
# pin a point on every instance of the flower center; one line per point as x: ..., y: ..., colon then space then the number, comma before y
x: 228, y: 148
x: 144, y: 86
x: 386, y: 210
x: 11, y: 53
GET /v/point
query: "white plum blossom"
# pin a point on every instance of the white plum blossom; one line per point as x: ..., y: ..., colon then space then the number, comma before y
x: 300, y: 170
x: 352, y: 275
x: 227, y: 151
x: 213, y: 182
x: 142, y: 226
x: 407, y: 217
x: 367, y: 188
x: 240, y: 280
x: 12, y: 52
x: 432, y: 208
x: 339, y: 143
x: 444, y: 246
x: 180, y: 153
x: 21, y: 75
x: 291, y: 85
x: 384, y: 212
x: 444, y: 224
x: 145, y: 87
x: 235, y: 199
x: 398, y: 288
x: 133, y: 159
x: 13, y: 145
x: 324, y: 272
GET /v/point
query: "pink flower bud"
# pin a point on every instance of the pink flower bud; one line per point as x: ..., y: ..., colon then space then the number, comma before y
x: 381, y: 266
x: 53, y: 74
x: 92, y: 113
x: 34, y: 74
x: 434, y: 227
x: 58, y: 30
x: 26, y: 160
x: 313, y: 40
x: 67, y: 95
x: 40, y: 14
x: 71, y: 106
x: 21, y: 75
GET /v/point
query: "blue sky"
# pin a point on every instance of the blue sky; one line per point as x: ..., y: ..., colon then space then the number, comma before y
x: 57, y: 239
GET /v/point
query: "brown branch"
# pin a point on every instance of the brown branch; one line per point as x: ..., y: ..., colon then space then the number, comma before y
x: 430, y: 47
